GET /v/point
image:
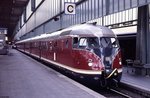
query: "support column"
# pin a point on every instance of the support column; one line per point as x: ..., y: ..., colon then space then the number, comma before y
x: 148, y: 37
x: 143, y: 35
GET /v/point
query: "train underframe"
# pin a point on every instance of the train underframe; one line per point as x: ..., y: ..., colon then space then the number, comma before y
x: 101, y: 80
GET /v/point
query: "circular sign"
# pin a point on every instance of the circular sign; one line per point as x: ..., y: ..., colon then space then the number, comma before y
x: 69, y: 8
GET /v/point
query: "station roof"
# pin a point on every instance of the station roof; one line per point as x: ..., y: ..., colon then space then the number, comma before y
x: 10, y: 12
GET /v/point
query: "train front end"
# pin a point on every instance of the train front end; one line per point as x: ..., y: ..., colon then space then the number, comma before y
x: 101, y: 50
x: 103, y: 54
x: 111, y: 59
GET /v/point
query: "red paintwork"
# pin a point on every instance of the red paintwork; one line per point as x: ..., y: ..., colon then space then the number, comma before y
x: 35, y: 48
x: 81, y: 58
x: 73, y: 57
x: 116, y: 61
x: 27, y: 47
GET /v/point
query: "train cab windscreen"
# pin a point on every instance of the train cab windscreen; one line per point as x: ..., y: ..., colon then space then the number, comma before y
x: 89, y: 43
x: 95, y: 42
x: 108, y: 42
x: 98, y: 45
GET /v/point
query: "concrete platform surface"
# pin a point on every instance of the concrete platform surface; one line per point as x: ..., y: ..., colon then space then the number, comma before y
x: 138, y: 81
x: 23, y: 77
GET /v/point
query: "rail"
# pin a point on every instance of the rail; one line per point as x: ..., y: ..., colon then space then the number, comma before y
x: 120, y: 93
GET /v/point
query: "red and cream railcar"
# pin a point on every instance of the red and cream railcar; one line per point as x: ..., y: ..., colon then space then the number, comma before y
x: 85, y: 50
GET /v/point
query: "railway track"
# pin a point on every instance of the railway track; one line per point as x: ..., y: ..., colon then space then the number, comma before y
x: 127, y: 92
x: 120, y: 93
x: 113, y: 93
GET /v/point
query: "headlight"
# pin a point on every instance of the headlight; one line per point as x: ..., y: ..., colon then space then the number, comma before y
x: 120, y: 62
x: 90, y: 64
x: 115, y: 74
x: 107, y: 58
x: 107, y: 70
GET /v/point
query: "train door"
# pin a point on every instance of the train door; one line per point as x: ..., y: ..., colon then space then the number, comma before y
x: 47, y: 48
x: 55, y: 49
x: 74, y: 52
x: 30, y: 47
x: 65, y: 53
x: 50, y: 50
x: 24, y: 47
x: 43, y: 49
x: 61, y: 50
x: 40, y: 49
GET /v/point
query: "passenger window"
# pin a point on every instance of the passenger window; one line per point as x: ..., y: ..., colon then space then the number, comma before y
x: 50, y: 45
x: 75, y: 42
x: 67, y: 44
x: 55, y: 44
x: 83, y: 43
x: 46, y: 45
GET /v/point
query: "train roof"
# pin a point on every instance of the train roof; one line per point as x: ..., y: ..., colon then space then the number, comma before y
x: 77, y: 30
x: 90, y: 29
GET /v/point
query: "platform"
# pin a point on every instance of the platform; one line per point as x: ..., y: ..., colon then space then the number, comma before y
x: 140, y: 82
x: 23, y: 77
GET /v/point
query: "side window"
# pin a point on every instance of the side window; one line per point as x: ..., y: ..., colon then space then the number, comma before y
x: 50, y: 45
x: 46, y: 45
x: 55, y: 44
x: 41, y: 45
x: 83, y: 42
x: 75, y: 42
x: 34, y: 44
x: 114, y: 42
x: 67, y: 44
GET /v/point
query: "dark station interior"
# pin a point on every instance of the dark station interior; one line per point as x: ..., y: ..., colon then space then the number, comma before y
x: 128, y: 47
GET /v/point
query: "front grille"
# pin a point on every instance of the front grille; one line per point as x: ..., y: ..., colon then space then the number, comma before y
x: 107, y: 67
